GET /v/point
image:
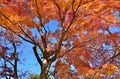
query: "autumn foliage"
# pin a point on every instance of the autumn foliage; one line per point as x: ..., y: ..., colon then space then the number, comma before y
x: 82, y: 47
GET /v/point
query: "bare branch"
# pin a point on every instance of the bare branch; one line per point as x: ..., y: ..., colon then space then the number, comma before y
x: 79, y: 45
x: 41, y: 33
x: 7, y: 18
x: 26, y: 33
x: 37, y: 56
x: 7, y: 28
x: 58, y: 9
x: 15, y: 61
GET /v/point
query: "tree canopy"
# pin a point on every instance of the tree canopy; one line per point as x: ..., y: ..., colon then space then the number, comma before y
x: 82, y: 44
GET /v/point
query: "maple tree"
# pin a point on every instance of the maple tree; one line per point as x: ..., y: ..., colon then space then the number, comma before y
x: 83, y: 38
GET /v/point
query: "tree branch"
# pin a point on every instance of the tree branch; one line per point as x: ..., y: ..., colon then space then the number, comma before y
x: 15, y: 61
x: 7, y: 18
x: 37, y: 56
x: 41, y: 33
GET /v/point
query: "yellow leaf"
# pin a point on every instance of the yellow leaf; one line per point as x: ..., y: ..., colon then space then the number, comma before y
x: 109, y: 69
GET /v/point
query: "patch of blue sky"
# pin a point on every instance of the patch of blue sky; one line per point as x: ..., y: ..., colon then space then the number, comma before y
x: 114, y: 29
x: 107, y: 46
x: 36, y: 19
x: 117, y: 14
x: 28, y: 60
x: 35, y: 32
x: 51, y: 26
x: 72, y: 67
x: 53, y: 40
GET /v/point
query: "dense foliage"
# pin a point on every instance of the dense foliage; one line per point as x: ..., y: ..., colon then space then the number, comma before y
x: 81, y: 45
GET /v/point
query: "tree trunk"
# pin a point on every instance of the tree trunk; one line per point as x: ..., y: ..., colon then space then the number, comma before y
x: 43, y: 74
x: 15, y: 70
x: 44, y: 70
x: 15, y: 61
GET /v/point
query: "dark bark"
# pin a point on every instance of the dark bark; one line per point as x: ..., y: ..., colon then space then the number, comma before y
x: 45, y: 70
x: 37, y: 56
x: 43, y: 74
x: 15, y: 61
x: 15, y: 69
x: 45, y: 65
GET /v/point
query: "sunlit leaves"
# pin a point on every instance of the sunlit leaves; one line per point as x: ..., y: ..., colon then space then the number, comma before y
x: 62, y: 70
x: 109, y: 69
x: 64, y: 10
x: 82, y: 36
x: 15, y: 18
